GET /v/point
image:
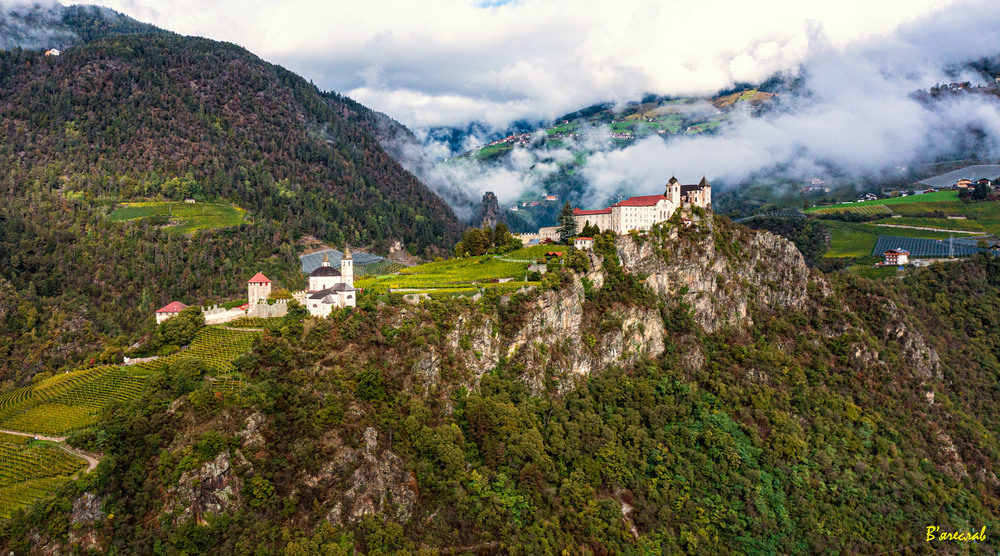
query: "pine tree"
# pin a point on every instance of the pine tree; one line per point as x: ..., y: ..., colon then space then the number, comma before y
x: 567, y: 224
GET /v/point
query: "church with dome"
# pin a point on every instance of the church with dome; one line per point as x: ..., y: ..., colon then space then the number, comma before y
x: 330, y: 288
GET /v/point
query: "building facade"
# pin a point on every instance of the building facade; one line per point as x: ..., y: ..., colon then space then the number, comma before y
x: 170, y: 310
x: 258, y: 288
x: 896, y: 257
x: 330, y: 288
x: 641, y: 213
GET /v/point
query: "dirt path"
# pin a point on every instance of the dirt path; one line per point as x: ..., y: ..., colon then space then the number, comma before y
x: 38, y: 436
x: 92, y: 461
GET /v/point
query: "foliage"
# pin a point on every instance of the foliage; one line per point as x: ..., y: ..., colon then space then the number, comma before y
x: 137, y: 119
x: 567, y: 224
x: 181, y: 329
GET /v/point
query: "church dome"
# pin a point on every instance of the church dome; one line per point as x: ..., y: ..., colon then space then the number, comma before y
x: 325, y: 271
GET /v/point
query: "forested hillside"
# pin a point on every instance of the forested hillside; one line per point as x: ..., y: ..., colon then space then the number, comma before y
x: 697, y: 390
x: 163, y: 117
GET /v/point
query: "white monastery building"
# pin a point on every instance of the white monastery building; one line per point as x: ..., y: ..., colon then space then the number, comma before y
x: 330, y: 288
x: 640, y: 213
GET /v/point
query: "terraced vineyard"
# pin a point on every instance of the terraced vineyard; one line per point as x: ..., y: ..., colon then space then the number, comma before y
x: 218, y: 347
x: 454, y: 275
x: 31, y: 470
x: 71, y: 401
x: 58, y: 405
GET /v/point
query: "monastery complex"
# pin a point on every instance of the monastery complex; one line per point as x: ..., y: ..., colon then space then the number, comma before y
x: 329, y: 288
x: 636, y: 213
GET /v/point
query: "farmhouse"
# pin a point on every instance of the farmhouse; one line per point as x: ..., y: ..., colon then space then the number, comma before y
x: 640, y: 213
x: 896, y: 257
x: 170, y: 310
x: 583, y: 243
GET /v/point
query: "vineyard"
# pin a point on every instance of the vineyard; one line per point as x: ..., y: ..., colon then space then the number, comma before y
x: 31, y: 470
x: 71, y: 401
x: 924, y: 247
x: 855, y: 209
x: 453, y: 275
x: 58, y: 405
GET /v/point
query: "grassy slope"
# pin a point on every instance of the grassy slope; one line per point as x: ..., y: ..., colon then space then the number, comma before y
x: 190, y: 217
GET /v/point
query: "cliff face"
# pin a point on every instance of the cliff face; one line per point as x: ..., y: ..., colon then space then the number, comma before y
x: 390, y: 418
x: 563, y: 336
x: 722, y: 274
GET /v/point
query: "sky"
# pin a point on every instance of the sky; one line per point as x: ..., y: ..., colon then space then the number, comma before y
x: 451, y: 62
x: 448, y: 62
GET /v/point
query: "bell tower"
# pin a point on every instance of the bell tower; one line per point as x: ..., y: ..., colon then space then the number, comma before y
x: 347, y: 267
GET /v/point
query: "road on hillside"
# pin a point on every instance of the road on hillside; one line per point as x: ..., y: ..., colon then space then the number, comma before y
x: 61, y: 442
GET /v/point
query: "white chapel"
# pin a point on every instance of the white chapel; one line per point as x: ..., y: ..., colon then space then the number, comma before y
x: 330, y: 288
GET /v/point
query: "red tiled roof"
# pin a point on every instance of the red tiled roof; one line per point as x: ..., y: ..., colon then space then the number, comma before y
x: 172, y: 307
x: 554, y: 254
x: 642, y: 201
x: 259, y: 279
x: 578, y: 212
x: 586, y: 238
x: 897, y: 252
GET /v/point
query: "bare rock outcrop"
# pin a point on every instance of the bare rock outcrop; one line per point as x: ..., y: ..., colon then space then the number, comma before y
x: 212, y: 489
x: 720, y: 287
x: 380, y: 484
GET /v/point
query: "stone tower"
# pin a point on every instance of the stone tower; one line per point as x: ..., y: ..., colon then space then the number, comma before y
x: 673, y: 192
x: 258, y: 287
x: 347, y: 267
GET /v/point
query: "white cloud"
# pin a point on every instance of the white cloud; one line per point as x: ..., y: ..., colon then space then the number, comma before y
x: 447, y: 61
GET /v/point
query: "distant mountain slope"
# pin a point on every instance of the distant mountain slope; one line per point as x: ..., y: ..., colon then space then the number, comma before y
x: 41, y: 27
x: 169, y: 117
x: 155, y: 107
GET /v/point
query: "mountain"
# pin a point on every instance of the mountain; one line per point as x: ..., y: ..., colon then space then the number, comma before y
x: 694, y: 390
x: 528, y: 162
x: 161, y: 117
x: 46, y: 26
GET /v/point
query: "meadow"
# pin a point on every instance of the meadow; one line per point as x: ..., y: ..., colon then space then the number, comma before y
x: 185, y: 218
x: 854, y: 239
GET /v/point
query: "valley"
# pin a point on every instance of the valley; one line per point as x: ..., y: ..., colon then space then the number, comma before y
x: 234, y: 321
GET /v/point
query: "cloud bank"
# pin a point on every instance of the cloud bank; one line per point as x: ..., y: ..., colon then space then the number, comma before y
x: 453, y: 61
x: 856, y: 114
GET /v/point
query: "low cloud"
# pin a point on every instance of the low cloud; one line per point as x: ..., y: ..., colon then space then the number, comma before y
x: 856, y: 115
x: 445, y: 63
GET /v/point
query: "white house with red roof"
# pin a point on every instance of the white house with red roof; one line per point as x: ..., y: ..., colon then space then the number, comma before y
x: 583, y: 243
x: 641, y: 213
x: 169, y: 310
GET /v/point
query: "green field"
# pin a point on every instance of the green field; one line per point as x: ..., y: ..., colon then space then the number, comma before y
x: 927, y: 198
x: 848, y: 239
x: 534, y: 252
x: 185, y: 218
x: 452, y: 276
x: 852, y: 239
